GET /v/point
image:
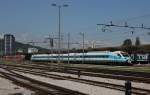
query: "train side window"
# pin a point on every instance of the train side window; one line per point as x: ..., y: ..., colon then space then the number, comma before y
x: 137, y: 57
x: 140, y: 57
x: 106, y: 56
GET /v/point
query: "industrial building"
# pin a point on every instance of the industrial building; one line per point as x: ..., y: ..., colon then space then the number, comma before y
x: 9, y: 44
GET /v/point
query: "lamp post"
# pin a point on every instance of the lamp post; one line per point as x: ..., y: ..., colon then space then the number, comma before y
x: 59, y: 27
x: 83, y: 36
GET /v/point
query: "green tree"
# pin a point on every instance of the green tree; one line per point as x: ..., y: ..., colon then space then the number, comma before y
x: 137, y: 42
x: 127, y: 43
x: 127, y: 46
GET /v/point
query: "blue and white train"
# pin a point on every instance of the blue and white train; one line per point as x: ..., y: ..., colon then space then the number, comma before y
x: 98, y: 57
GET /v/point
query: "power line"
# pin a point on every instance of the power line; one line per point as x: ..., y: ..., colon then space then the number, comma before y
x: 122, y: 26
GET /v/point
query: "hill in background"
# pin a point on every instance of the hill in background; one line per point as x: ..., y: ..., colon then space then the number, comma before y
x: 24, y: 47
x: 130, y: 49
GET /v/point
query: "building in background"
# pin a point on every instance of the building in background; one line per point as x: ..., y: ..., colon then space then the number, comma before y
x: 32, y: 50
x: 9, y: 44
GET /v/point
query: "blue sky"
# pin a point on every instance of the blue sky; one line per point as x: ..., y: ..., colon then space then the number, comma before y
x: 35, y: 19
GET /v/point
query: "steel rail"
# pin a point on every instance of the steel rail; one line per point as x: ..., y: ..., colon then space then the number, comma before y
x: 47, y: 88
x: 88, y: 73
x: 135, y: 90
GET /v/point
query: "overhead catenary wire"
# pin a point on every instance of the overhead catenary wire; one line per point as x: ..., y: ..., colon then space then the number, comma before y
x: 124, y: 26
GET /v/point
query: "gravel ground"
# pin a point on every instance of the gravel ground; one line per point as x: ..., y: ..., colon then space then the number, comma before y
x: 84, y: 88
x: 114, y: 81
x: 8, y: 88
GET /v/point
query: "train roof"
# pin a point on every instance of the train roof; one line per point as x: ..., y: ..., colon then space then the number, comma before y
x: 72, y: 54
x: 119, y: 52
x: 98, y: 51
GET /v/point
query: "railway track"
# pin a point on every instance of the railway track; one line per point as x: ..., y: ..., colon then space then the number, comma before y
x: 137, y: 91
x: 94, y: 70
x: 72, y: 70
x: 42, y: 87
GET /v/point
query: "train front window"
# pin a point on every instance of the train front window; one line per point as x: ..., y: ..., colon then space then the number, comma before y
x: 119, y: 55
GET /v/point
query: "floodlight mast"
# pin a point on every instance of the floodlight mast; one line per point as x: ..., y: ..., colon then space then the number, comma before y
x: 59, y: 27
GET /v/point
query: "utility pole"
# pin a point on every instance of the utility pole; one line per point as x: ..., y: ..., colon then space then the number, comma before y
x: 51, y: 45
x: 83, y: 48
x: 68, y: 47
x: 83, y: 36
